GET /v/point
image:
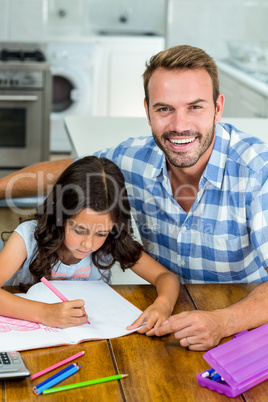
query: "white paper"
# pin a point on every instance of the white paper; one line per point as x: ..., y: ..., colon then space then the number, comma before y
x: 108, y: 312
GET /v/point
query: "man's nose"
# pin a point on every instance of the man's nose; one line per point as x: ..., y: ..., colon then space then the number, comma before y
x: 180, y: 121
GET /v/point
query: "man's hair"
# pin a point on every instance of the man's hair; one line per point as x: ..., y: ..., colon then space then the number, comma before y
x: 182, y: 57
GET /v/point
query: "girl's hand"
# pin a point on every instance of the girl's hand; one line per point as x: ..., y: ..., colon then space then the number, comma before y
x: 64, y: 314
x: 152, y: 318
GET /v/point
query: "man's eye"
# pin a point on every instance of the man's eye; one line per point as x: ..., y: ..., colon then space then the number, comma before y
x: 163, y: 109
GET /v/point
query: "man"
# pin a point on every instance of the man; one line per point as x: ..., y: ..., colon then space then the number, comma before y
x: 197, y: 191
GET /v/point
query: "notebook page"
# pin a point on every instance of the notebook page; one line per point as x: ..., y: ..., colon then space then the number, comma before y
x: 17, y: 334
x: 108, y: 312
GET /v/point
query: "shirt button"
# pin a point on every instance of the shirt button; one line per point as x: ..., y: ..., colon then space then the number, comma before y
x: 184, y: 228
x: 182, y: 263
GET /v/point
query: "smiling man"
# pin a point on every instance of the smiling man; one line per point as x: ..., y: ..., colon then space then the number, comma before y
x: 182, y: 114
x: 183, y: 124
x: 198, y: 190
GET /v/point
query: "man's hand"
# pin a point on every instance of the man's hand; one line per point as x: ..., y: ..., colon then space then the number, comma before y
x: 197, y: 330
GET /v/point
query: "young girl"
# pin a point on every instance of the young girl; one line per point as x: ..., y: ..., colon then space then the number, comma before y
x: 82, y: 228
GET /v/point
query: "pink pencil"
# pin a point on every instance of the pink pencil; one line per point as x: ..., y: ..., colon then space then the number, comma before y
x: 54, y: 290
x: 47, y: 370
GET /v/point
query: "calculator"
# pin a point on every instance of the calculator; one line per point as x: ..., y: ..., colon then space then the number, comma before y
x: 12, y: 366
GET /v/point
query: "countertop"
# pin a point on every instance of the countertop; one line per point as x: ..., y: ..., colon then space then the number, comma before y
x: 244, y: 77
x: 94, y: 37
x: 90, y: 134
x: 22, y: 202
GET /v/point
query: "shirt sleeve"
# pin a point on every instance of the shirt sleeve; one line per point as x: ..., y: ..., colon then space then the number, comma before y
x: 258, y: 216
x: 26, y: 231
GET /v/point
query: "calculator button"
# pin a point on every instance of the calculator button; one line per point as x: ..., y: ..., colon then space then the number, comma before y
x: 13, y: 354
x: 5, y: 358
x: 15, y: 357
x: 15, y: 360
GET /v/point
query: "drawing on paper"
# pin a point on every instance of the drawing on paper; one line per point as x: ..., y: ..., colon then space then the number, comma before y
x: 8, y: 324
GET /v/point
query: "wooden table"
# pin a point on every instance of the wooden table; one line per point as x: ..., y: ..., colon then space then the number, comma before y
x: 159, y: 368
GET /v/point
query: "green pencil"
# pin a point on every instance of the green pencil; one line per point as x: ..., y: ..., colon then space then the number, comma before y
x: 84, y: 383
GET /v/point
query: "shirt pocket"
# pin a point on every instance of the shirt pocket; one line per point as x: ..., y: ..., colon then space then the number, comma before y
x: 224, y: 257
x: 224, y: 243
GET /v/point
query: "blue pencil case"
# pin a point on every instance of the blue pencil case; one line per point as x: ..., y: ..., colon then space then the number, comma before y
x: 240, y: 364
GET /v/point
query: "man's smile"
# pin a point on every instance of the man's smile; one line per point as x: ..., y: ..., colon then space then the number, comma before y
x: 179, y: 141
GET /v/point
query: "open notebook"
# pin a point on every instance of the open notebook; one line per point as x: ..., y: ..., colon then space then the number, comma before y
x: 108, y: 312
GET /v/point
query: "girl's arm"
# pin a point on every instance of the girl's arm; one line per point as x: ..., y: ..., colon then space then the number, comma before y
x: 63, y: 314
x: 167, y: 286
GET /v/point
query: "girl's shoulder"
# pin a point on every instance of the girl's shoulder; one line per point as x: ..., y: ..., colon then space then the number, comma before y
x: 26, y: 228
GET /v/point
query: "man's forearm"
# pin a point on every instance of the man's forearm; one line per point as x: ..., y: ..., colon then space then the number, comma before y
x: 202, y: 330
x: 32, y: 180
x: 250, y: 312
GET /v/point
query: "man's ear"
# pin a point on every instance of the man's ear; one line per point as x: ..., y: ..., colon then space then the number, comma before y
x: 146, y: 107
x: 219, y: 108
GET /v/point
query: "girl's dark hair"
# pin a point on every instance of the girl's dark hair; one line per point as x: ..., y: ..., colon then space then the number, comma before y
x: 90, y: 182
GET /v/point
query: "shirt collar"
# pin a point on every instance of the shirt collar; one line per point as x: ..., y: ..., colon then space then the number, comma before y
x: 159, y: 163
x: 215, y: 168
x: 216, y: 165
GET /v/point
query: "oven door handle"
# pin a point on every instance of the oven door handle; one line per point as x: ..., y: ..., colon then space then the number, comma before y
x: 18, y: 98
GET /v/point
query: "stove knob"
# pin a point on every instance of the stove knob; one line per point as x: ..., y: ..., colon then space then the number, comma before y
x: 28, y: 80
x: 3, y: 82
x: 14, y: 82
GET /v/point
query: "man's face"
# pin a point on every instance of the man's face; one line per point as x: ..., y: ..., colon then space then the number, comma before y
x: 182, y: 115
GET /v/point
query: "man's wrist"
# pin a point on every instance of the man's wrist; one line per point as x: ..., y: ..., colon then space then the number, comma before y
x: 227, y: 321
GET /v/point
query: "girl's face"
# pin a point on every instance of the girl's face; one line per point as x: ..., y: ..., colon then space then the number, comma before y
x: 86, y: 232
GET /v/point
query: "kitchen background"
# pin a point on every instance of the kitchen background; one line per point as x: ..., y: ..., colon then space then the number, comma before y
x: 97, y: 50
x: 86, y: 57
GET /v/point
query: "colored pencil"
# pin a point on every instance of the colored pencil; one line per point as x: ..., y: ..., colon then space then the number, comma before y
x: 54, y: 376
x: 61, y: 363
x: 55, y: 379
x: 54, y: 290
x: 84, y: 383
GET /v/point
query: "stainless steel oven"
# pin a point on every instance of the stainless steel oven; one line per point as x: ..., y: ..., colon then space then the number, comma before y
x: 25, y: 99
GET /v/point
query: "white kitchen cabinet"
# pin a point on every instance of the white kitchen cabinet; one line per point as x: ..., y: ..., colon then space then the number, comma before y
x: 241, y: 100
x: 253, y: 103
x: 118, y: 83
x: 4, y: 18
x: 22, y: 21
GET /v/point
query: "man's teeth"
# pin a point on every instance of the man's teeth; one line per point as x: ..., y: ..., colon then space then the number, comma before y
x: 182, y: 141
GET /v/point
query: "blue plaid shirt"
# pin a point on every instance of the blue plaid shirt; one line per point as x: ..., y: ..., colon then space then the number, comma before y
x: 224, y: 237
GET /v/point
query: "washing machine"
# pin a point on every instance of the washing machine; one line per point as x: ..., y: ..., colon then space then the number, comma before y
x: 72, y: 67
